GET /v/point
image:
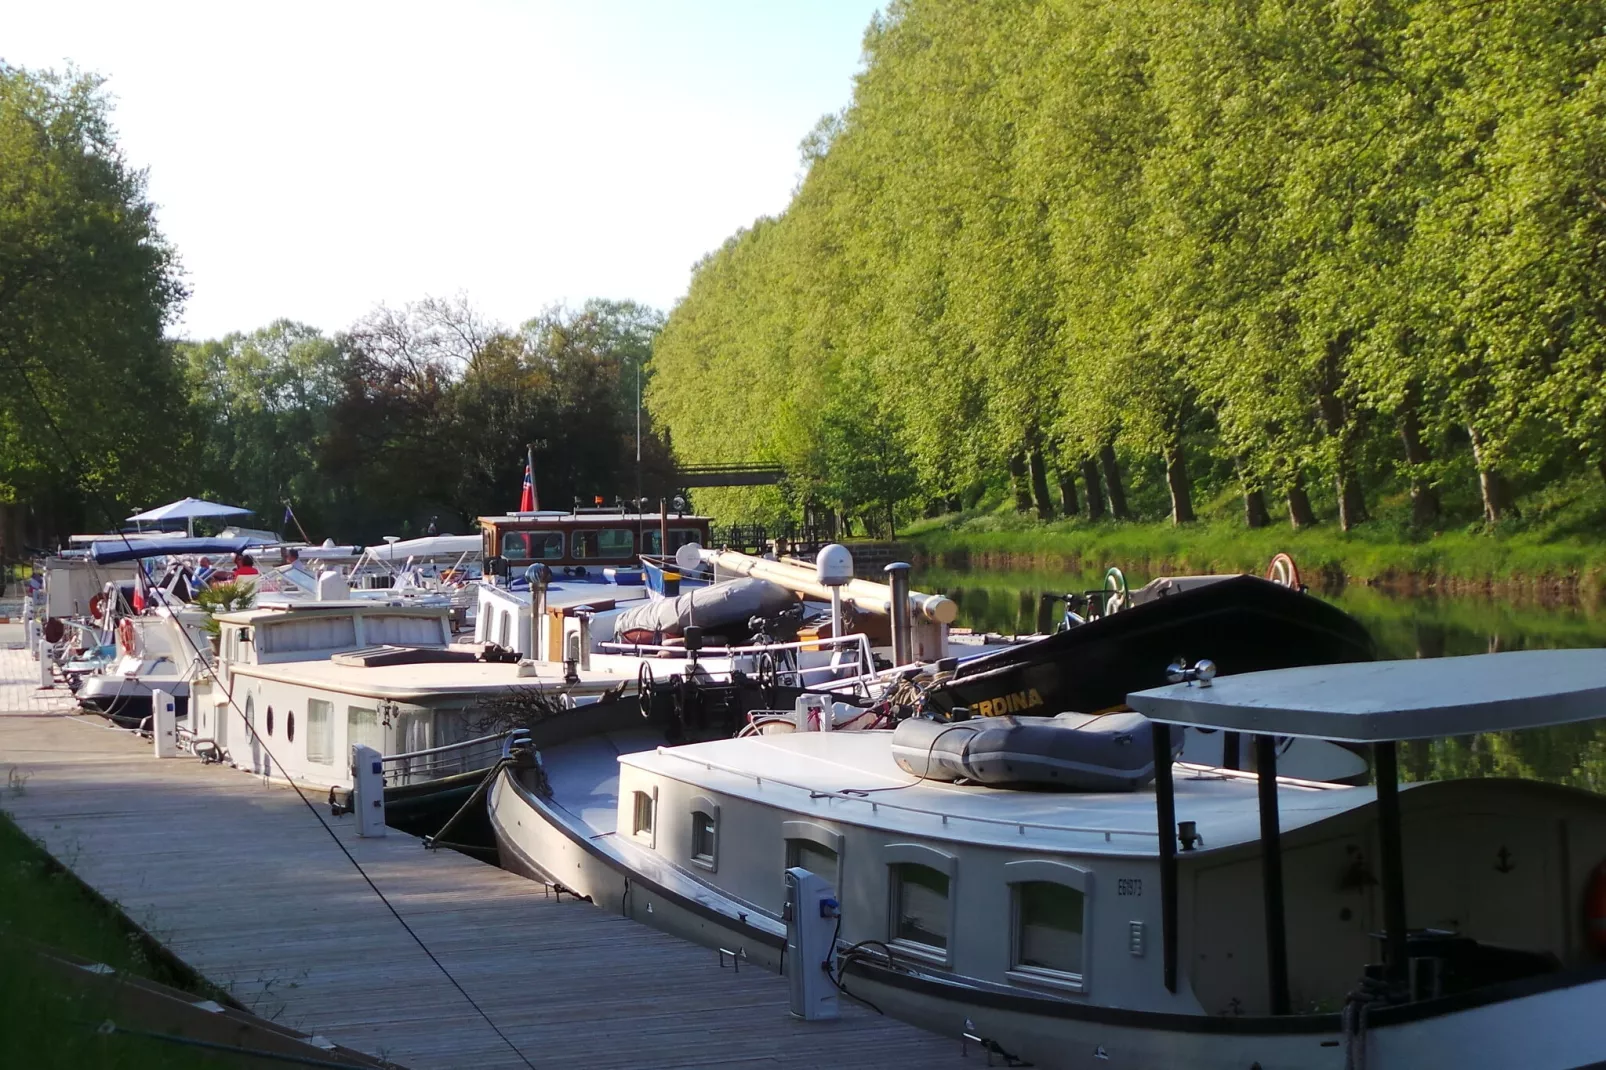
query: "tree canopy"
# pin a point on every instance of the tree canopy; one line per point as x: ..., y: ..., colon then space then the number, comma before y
x: 1316, y: 252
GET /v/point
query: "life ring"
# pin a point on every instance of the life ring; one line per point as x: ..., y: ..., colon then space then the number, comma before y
x: 97, y: 606
x: 125, y: 635
x: 1595, y: 909
x: 1284, y: 573
x: 1116, y: 595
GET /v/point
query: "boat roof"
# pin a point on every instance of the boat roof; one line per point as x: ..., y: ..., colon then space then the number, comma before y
x: 851, y: 777
x: 343, y: 608
x: 1381, y: 701
x: 551, y: 516
x: 426, y: 680
x: 107, y: 552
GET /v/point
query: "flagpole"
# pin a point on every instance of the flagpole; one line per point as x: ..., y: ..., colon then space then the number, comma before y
x: 529, y: 459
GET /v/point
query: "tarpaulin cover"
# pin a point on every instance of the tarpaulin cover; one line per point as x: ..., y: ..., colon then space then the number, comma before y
x: 715, y: 607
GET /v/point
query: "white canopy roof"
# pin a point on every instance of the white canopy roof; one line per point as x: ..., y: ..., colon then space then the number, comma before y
x: 1377, y: 701
x: 429, y: 546
x: 189, y: 509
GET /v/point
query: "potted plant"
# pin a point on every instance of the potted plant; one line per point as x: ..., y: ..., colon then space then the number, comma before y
x: 224, y: 598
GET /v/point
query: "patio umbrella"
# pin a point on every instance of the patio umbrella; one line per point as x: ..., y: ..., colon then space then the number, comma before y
x: 187, y: 509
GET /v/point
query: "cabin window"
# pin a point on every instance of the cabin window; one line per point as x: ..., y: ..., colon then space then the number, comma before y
x: 505, y: 630
x: 1049, y: 905
x: 532, y: 545
x: 704, y: 832
x: 614, y: 544
x: 320, y: 731
x: 290, y: 725
x: 652, y: 540
x: 270, y: 720
x: 363, y: 728
x: 396, y: 630
x: 817, y: 858
x: 920, y: 906
x: 1048, y: 927
x: 646, y: 806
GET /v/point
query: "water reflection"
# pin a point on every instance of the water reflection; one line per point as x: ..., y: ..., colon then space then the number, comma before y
x: 1402, y: 627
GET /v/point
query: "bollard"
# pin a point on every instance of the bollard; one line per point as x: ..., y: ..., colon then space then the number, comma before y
x: 368, y: 784
x: 45, y: 679
x: 164, y: 729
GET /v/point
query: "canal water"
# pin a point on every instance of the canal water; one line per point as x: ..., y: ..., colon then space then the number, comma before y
x: 1401, y: 626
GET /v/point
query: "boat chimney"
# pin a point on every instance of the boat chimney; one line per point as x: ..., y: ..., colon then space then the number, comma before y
x: 898, y: 611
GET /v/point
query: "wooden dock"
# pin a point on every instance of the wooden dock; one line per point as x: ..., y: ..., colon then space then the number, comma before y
x: 239, y: 880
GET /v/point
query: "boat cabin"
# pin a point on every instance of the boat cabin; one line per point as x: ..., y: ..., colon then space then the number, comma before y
x: 587, y: 538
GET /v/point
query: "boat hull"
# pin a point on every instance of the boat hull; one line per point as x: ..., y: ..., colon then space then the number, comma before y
x: 1243, y: 624
x: 1531, y: 1023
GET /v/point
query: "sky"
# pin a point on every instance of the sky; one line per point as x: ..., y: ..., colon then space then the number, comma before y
x: 311, y: 161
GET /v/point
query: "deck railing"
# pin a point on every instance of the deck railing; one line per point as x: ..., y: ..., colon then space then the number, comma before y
x: 435, y: 763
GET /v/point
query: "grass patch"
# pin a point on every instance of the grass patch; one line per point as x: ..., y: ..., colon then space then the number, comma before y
x: 46, y: 1023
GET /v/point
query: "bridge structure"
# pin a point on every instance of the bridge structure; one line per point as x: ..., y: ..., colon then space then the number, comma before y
x: 734, y: 474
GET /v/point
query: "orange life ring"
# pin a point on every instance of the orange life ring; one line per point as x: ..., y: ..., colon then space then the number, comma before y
x: 125, y: 635
x: 97, y: 606
x: 1595, y: 910
x: 1283, y: 572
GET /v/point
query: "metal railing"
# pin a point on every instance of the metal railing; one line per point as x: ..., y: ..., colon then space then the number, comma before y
x: 436, y: 763
x: 831, y: 672
x: 876, y: 804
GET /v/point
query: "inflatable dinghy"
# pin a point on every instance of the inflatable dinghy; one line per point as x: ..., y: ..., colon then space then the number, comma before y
x: 1073, y: 751
x: 716, y: 609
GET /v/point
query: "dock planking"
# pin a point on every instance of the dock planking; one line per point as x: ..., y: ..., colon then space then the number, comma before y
x: 239, y: 879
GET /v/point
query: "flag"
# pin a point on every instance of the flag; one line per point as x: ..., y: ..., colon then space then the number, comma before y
x: 527, y: 496
x: 288, y: 515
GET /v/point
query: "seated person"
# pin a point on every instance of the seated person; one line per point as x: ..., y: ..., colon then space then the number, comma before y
x: 244, y: 565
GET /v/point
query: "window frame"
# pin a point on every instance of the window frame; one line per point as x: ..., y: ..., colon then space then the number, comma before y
x: 648, y: 835
x: 820, y: 836
x: 702, y: 804
x: 324, y: 735
x: 916, y: 854
x: 1029, y: 871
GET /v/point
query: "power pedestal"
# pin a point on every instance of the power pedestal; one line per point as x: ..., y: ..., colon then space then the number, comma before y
x: 164, y: 723
x: 811, y: 914
x: 368, y: 782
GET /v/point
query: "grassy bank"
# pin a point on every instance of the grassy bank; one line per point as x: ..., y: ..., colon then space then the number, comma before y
x: 1541, y: 560
x: 45, y: 1023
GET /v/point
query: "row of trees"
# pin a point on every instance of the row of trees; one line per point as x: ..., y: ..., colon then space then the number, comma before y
x: 1156, y: 253
x: 409, y: 415
x: 424, y: 411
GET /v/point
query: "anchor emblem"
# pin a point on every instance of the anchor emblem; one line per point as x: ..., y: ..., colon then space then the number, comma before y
x: 1503, y: 862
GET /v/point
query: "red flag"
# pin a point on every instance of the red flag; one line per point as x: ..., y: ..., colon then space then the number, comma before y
x: 527, y: 498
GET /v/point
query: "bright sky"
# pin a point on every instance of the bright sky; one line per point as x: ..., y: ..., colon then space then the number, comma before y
x: 311, y: 160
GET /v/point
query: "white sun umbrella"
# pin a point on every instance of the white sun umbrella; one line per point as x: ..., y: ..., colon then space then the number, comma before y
x: 187, y: 509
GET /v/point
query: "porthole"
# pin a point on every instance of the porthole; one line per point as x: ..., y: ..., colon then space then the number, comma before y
x: 290, y: 726
x: 270, y: 720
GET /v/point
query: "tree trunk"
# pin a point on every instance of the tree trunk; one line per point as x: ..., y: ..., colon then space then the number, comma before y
x: 1424, y: 496
x: 1300, y: 514
x: 1256, y: 515
x: 1345, y: 431
x: 1017, y: 481
x: 956, y: 504
x: 1112, y: 479
x: 1039, y: 479
x: 1095, y: 497
x: 1491, y: 484
x: 1176, y: 480
x: 1069, y: 505
x: 1600, y: 466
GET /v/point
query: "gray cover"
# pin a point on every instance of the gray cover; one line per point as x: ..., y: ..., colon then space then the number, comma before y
x: 717, y: 606
x: 1075, y: 751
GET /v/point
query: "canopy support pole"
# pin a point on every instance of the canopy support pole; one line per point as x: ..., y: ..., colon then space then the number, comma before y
x: 1231, y: 750
x: 1165, y: 810
x: 1385, y: 764
x: 1271, y: 869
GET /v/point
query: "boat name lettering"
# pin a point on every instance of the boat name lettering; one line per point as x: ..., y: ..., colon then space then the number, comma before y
x: 1128, y: 886
x: 1011, y: 703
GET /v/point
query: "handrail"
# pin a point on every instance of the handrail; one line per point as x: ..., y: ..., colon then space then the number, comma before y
x: 460, y: 745
x: 858, y: 639
x: 876, y: 803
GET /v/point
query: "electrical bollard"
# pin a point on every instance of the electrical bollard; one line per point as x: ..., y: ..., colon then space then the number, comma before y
x: 811, y: 914
x: 164, y: 727
x: 368, y: 782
